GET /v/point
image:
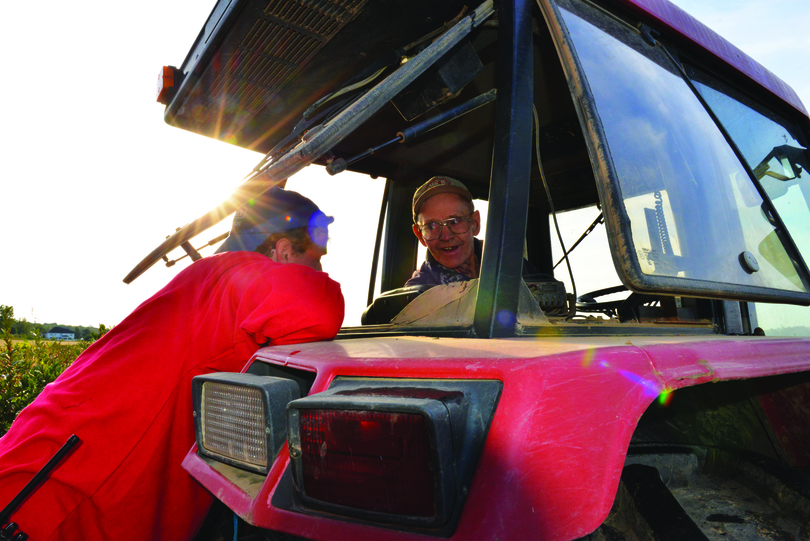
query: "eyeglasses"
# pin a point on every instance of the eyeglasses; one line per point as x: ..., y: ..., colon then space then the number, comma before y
x: 433, y: 230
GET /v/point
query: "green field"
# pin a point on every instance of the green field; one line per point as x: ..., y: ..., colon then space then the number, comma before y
x: 27, y: 366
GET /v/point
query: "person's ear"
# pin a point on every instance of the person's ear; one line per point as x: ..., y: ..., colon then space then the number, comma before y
x: 476, y: 225
x: 418, y: 233
x: 283, y: 251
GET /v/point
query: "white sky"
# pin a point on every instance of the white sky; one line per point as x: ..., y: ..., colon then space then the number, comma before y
x: 91, y: 179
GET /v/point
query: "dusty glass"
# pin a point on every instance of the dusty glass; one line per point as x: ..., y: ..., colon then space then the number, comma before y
x: 772, y: 151
x: 694, y: 212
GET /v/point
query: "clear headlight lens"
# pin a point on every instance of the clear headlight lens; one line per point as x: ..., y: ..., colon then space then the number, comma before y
x: 233, y: 422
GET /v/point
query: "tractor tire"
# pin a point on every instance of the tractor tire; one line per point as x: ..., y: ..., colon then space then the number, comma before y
x: 687, y: 493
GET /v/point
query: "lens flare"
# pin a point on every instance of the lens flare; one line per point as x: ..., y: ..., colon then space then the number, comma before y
x: 665, y: 397
x: 587, y: 357
x: 505, y: 318
x: 651, y: 388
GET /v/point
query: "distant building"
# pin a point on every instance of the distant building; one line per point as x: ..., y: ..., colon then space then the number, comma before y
x: 60, y: 333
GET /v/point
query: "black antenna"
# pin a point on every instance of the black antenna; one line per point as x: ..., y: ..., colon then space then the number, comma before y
x: 34, y: 483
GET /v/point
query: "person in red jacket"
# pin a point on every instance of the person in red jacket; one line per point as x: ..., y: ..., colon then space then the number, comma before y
x: 128, y: 396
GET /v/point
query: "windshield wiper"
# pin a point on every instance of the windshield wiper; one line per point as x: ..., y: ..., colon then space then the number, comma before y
x: 599, y: 220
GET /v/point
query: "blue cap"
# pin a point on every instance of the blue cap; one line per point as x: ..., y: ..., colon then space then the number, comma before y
x: 275, y: 211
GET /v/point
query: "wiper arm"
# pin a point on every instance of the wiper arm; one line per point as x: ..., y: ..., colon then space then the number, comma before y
x: 599, y: 220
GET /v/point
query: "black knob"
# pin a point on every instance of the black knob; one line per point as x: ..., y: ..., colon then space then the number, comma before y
x: 749, y: 262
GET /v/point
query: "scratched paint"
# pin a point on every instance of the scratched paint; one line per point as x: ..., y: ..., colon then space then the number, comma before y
x: 651, y: 387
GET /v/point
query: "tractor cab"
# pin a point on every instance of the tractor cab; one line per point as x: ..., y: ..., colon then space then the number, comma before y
x: 609, y: 121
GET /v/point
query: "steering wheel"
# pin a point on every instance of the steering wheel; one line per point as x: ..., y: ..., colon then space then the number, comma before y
x: 622, y: 308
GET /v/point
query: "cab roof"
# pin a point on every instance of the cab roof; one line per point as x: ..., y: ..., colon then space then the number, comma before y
x: 257, y: 67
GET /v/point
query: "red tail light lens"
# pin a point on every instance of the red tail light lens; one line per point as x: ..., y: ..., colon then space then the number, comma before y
x: 382, y: 458
x: 373, y: 460
x: 393, y: 452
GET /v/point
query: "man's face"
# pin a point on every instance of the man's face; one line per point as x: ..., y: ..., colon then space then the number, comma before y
x: 310, y: 258
x: 450, y: 249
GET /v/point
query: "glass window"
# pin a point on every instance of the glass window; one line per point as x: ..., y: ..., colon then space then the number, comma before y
x: 772, y: 150
x: 591, y: 262
x: 691, y: 208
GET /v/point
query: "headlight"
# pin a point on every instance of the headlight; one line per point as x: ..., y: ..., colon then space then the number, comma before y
x: 240, y: 419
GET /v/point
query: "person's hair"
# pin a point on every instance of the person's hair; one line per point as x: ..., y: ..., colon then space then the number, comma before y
x: 470, y: 206
x: 299, y: 238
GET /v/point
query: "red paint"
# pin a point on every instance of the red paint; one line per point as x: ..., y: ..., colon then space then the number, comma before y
x: 554, y: 453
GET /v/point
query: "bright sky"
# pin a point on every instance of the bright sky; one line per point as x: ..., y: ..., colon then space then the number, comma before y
x: 92, y: 179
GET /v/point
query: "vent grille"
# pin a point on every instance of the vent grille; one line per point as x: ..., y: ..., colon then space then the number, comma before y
x: 287, y: 34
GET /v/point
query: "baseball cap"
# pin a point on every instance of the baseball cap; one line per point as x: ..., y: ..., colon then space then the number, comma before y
x: 275, y: 211
x: 435, y: 186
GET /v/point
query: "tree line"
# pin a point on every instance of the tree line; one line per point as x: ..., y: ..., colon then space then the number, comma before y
x: 24, y: 329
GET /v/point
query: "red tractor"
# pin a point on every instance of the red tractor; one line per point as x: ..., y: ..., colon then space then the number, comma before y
x: 515, y: 406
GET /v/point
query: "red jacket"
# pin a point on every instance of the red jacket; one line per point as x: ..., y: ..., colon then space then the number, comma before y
x: 128, y: 397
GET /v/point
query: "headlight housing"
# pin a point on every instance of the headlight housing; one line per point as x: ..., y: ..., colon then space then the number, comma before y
x: 239, y: 419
